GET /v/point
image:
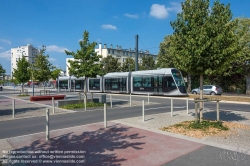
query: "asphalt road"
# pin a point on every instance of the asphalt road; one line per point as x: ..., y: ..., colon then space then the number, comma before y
x: 26, y: 126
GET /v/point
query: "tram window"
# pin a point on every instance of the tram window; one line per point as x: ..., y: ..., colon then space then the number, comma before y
x: 137, y: 81
x: 94, y: 84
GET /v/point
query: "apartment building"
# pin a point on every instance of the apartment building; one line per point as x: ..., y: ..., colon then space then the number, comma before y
x: 118, y: 52
x: 28, y: 52
x: 122, y: 54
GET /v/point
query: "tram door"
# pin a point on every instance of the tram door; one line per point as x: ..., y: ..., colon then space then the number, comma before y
x: 156, y: 83
x: 168, y: 84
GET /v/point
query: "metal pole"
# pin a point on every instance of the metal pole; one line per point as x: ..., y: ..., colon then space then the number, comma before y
x: 32, y: 84
x: 58, y: 84
x: 13, y: 108
x: 130, y: 99
x: 47, y: 124
x: 218, y: 113
x: 148, y: 98
x: 143, y: 113
x: 196, y: 111
x: 187, y: 105
x: 111, y: 101
x: 105, y: 115
x: 171, y: 107
x: 53, y: 105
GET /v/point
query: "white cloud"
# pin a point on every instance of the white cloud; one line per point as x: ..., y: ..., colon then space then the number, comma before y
x: 109, y: 26
x: 52, y: 59
x: 161, y: 12
x: 5, y: 41
x: 6, y: 55
x: 1, y: 48
x: 158, y: 11
x: 131, y: 15
x: 54, y: 48
x: 175, y: 7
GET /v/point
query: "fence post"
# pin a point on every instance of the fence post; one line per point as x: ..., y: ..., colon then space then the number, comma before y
x: 143, y: 113
x: 187, y: 105
x: 53, y: 105
x: 79, y: 97
x: 111, y: 101
x: 218, y: 113
x: 171, y: 106
x: 47, y: 124
x: 105, y: 115
x: 130, y: 99
x: 196, y: 111
x: 13, y: 108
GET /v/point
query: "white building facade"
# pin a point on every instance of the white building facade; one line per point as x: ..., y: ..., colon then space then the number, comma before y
x: 118, y: 52
x: 122, y: 54
x: 29, y: 52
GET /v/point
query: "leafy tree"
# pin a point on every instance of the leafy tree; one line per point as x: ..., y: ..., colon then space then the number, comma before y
x: 165, y: 56
x: 42, y: 67
x: 148, y: 63
x: 22, y: 73
x: 55, y: 74
x: 86, y: 61
x: 110, y: 64
x: 128, y: 65
x: 203, y: 41
x: 2, y: 71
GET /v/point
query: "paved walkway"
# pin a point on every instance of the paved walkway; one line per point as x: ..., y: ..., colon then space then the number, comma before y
x: 123, y: 142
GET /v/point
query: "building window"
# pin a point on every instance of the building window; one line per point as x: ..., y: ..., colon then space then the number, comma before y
x: 112, y: 51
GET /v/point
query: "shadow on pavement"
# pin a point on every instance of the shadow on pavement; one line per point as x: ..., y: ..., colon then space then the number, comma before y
x: 98, y: 147
x: 224, y: 116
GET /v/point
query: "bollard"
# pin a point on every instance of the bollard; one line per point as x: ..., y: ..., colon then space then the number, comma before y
x: 105, y: 115
x: 171, y: 107
x: 148, y: 98
x: 196, y: 111
x: 85, y: 101
x: 218, y: 113
x: 53, y: 105
x: 13, y: 108
x: 47, y: 124
x: 130, y: 99
x: 111, y: 101
x: 143, y: 113
x: 187, y: 105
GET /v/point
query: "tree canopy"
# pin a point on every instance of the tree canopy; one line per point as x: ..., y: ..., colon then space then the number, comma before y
x: 22, y: 73
x: 2, y: 71
x: 128, y: 65
x: 148, y: 63
x: 110, y: 64
x: 42, y: 67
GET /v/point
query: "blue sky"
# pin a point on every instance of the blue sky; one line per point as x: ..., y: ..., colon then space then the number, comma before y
x: 59, y: 24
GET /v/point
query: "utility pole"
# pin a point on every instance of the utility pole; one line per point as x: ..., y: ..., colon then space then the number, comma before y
x: 136, y: 52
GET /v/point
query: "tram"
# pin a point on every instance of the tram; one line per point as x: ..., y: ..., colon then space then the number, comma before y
x: 164, y: 81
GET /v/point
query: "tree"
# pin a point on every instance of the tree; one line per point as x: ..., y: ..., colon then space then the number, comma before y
x: 165, y: 56
x: 128, y: 65
x: 86, y: 61
x: 242, y: 64
x: 110, y: 64
x: 2, y: 72
x: 204, y: 41
x: 55, y: 74
x: 42, y: 67
x: 148, y: 63
x: 22, y: 73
